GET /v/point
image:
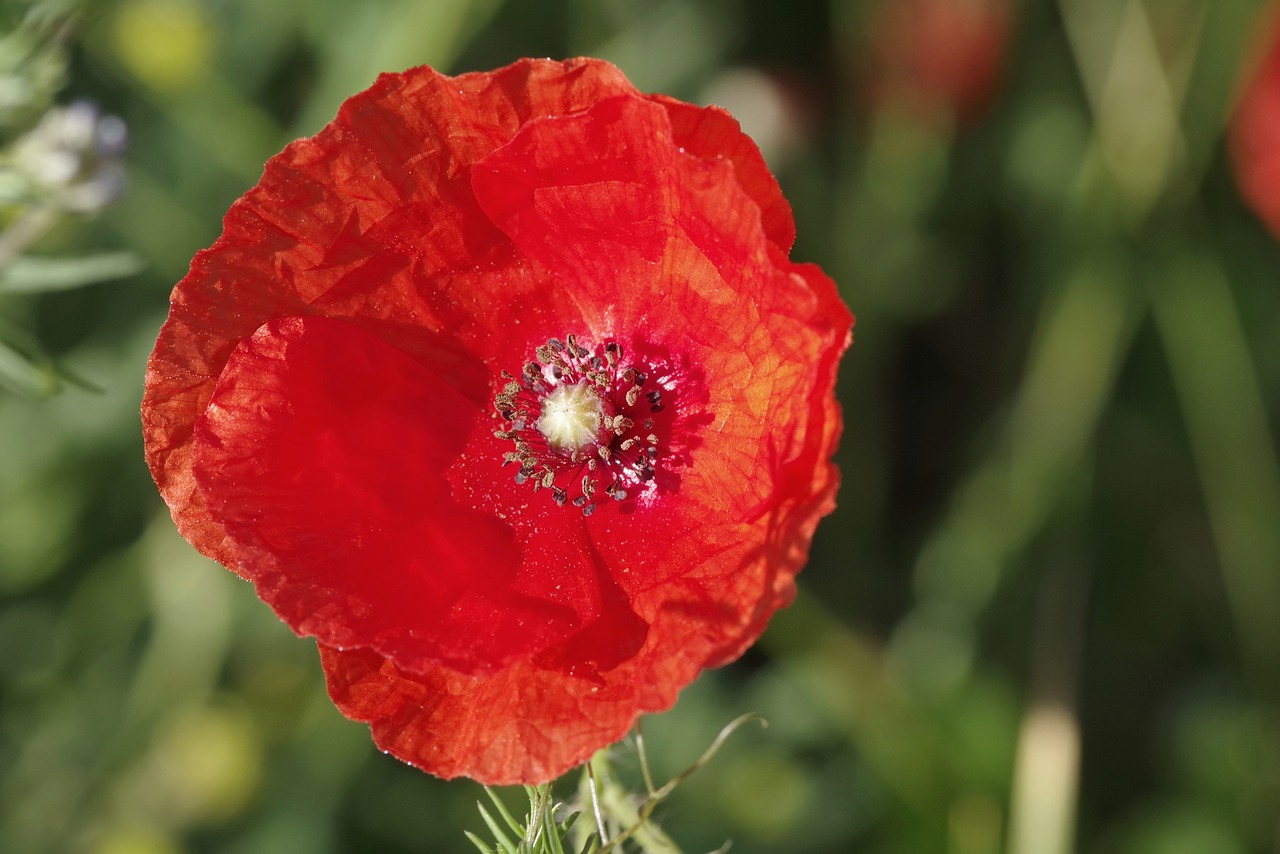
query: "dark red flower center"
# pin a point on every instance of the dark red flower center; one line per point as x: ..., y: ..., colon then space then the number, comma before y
x: 581, y: 423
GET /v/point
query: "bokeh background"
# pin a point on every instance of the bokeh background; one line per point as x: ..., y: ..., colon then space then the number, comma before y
x: 1046, y: 614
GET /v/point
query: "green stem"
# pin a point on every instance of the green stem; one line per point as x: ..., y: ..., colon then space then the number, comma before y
x: 622, y: 819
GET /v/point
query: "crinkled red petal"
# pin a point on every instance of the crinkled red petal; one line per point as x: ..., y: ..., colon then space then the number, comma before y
x: 372, y: 220
x: 712, y: 134
x: 604, y: 199
x: 322, y: 454
x: 349, y: 466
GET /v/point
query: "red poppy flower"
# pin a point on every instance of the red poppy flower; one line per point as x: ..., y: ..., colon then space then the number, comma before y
x: 503, y: 388
x: 1254, y: 132
x: 939, y: 60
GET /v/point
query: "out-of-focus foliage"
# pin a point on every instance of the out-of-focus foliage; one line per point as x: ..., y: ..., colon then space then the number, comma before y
x: 55, y: 162
x: 1044, y: 618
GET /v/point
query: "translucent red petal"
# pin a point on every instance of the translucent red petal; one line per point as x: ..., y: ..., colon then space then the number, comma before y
x: 319, y: 416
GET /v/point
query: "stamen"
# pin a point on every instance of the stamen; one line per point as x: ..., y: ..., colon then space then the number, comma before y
x: 571, y: 415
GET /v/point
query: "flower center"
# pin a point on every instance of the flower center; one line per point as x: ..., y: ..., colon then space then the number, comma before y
x: 581, y: 423
x: 573, y: 417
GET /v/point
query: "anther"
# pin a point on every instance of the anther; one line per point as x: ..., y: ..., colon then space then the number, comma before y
x: 567, y: 415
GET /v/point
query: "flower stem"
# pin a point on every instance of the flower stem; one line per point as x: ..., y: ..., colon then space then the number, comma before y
x: 618, y: 817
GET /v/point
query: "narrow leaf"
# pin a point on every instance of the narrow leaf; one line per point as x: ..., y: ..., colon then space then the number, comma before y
x: 30, y: 377
x: 515, y: 826
x: 504, y: 842
x: 475, y: 840
x: 39, y: 275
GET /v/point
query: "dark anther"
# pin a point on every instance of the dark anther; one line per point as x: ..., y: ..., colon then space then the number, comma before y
x: 617, y: 458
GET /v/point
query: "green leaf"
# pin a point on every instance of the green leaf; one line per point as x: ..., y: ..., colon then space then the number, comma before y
x: 25, y: 369
x: 27, y: 375
x: 504, y: 842
x: 29, y: 275
x: 553, y: 834
x: 515, y: 826
x: 568, y: 823
x: 475, y: 840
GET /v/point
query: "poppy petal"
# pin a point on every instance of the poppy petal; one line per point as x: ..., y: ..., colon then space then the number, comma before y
x: 367, y: 220
x: 324, y: 407
x: 321, y: 453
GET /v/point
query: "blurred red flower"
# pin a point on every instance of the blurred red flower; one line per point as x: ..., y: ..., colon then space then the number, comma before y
x: 1254, y: 132
x: 937, y: 60
x: 503, y: 388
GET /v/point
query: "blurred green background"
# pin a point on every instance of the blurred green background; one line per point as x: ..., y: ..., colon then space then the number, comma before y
x: 1044, y: 618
